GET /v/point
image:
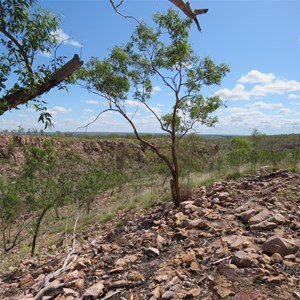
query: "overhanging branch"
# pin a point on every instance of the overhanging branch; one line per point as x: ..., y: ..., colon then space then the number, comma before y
x: 23, y: 96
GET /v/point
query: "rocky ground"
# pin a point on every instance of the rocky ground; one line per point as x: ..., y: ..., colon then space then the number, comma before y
x: 235, y: 240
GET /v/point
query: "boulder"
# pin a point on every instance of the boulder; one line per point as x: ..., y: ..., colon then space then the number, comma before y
x: 279, y: 245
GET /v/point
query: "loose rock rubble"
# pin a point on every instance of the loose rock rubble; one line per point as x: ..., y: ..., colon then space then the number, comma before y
x: 236, y: 240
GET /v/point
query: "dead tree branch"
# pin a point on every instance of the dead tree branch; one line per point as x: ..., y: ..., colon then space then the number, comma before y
x: 116, y: 9
x: 47, y: 287
x: 22, y: 96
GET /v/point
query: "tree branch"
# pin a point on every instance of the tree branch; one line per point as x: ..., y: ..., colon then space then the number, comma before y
x: 115, y: 7
x: 19, y: 46
x: 47, y: 287
x: 24, y: 95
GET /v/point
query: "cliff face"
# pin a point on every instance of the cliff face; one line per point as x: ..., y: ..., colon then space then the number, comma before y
x: 12, y: 147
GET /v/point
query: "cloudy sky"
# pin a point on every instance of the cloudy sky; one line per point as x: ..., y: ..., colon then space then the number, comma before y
x: 259, y: 40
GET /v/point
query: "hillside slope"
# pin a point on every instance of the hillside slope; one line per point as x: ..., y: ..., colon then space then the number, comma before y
x: 236, y: 240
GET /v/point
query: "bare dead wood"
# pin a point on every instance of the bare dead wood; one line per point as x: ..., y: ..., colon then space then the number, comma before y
x: 111, y: 295
x: 47, y: 287
x: 23, y: 96
x: 221, y: 260
x: 116, y: 9
x: 127, y: 285
x: 187, y: 10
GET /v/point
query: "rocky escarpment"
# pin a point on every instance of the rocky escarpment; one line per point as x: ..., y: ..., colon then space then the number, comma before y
x: 236, y: 240
x: 12, y: 147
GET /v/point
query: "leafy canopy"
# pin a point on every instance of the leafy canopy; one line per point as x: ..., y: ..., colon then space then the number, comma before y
x: 25, y: 31
x: 165, y: 53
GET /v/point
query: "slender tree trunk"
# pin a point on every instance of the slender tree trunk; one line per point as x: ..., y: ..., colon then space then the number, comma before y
x: 36, y: 230
x: 176, y: 193
x: 175, y: 190
x: 56, y: 212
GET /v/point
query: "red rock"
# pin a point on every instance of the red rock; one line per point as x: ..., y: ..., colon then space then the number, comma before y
x: 276, y: 258
x: 279, y: 245
x: 188, y: 207
x: 194, y: 292
x: 276, y: 279
x: 94, y: 291
x: 279, y: 219
x: 223, y: 291
x: 161, y: 278
x: 160, y: 241
x: 121, y: 262
x: 26, y: 281
x: 168, y: 295
x: 199, y: 252
x: 260, y: 217
x: 247, y: 215
x: 135, y: 276
x: 235, y: 241
x: 156, y: 292
x: 248, y: 295
x: 79, y: 283
x: 199, y: 224
x: 180, y: 217
x: 259, y: 227
x: 68, y: 291
x: 244, y: 260
x: 71, y: 276
x: 188, y: 258
x: 195, y: 267
x: 152, y: 252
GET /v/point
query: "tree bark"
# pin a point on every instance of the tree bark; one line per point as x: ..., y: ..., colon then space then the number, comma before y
x: 22, y: 96
x: 37, y: 228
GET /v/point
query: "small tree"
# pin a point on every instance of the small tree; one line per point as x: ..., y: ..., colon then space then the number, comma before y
x: 92, y: 183
x: 163, y: 53
x: 256, y: 155
x: 12, y: 213
x: 240, y: 153
x: 46, y: 181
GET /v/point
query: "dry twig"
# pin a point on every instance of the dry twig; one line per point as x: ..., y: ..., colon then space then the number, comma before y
x: 47, y: 287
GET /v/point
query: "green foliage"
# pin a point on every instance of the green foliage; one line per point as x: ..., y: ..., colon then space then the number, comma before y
x: 241, y: 148
x: 25, y: 31
x: 9, y: 202
x: 163, y: 52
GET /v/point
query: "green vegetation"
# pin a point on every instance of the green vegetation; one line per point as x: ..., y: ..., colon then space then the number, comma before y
x: 59, y: 180
x: 25, y: 31
x: 101, y: 178
x: 164, y: 53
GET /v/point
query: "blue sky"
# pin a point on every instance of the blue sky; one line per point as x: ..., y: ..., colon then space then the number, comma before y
x: 259, y: 40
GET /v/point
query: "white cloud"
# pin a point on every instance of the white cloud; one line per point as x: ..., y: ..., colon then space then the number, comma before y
x: 131, y: 103
x: 285, y: 111
x: 65, y: 38
x: 45, y: 54
x: 295, y: 103
x: 93, y: 102
x: 87, y: 110
x: 293, y: 96
x: 268, y: 85
x: 255, y: 76
x: 235, y: 110
x: 263, y: 105
x: 277, y: 87
x: 237, y: 93
x: 156, y: 89
x: 59, y: 110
